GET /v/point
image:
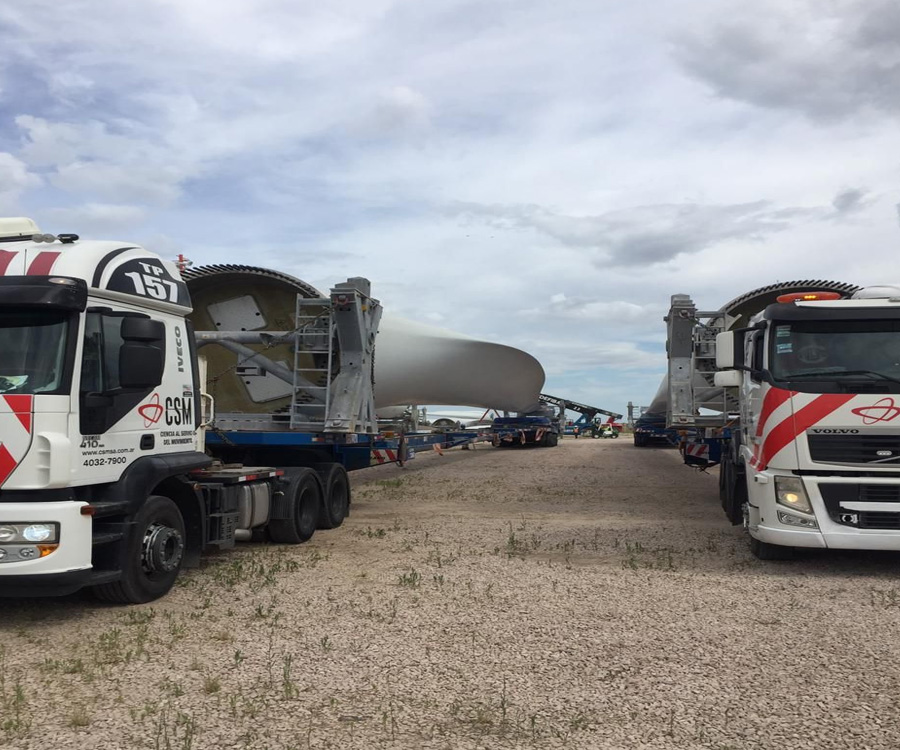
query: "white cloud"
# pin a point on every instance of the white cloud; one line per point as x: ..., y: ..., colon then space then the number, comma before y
x: 15, y: 178
x: 398, y: 111
x: 96, y: 218
x: 649, y: 234
x: 827, y: 60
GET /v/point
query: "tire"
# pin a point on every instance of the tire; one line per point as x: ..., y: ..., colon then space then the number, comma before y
x: 554, y: 440
x: 723, y: 462
x: 766, y: 551
x: 335, y: 495
x: 732, y: 489
x: 615, y: 436
x: 304, y: 507
x: 152, y: 555
x: 726, y: 482
x: 735, y: 511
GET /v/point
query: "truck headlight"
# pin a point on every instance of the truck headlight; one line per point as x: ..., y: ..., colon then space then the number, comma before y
x: 789, y: 492
x: 39, y: 532
x: 35, y: 533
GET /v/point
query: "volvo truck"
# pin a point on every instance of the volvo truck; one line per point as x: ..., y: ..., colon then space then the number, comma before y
x: 796, y: 390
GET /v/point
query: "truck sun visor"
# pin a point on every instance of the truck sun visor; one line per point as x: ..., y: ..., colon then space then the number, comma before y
x: 43, y: 291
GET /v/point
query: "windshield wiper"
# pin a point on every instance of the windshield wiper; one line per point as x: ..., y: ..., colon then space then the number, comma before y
x: 831, y: 374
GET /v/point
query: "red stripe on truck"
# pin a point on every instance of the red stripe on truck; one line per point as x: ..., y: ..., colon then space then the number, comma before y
x: 42, y: 264
x: 774, y: 398
x: 787, y: 431
x: 6, y: 257
x: 21, y: 407
x: 7, y: 463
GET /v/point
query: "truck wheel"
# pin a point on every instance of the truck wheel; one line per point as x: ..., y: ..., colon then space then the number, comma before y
x: 304, y: 495
x: 723, y: 478
x: 765, y: 551
x: 615, y: 435
x: 554, y: 440
x: 152, y: 556
x: 336, y: 491
x: 732, y: 490
x: 735, y: 510
x: 726, y: 482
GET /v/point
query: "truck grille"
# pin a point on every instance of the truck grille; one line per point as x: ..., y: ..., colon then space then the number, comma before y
x: 835, y: 494
x: 854, y: 449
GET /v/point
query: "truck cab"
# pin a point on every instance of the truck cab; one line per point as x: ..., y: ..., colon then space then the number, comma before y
x: 814, y: 462
x: 99, y: 408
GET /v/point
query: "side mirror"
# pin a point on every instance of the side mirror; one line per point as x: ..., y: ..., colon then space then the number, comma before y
x: 140, y: 365
x: 142, y: 329
x: 727, y: 352
x: 727, y: 378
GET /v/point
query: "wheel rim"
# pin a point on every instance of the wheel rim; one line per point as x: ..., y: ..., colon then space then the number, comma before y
x: 162, y: 549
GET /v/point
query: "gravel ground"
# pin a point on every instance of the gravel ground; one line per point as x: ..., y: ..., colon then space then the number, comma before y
x: 590, y: 595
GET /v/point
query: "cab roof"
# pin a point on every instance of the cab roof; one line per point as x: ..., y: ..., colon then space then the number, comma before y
x: 115, y: 270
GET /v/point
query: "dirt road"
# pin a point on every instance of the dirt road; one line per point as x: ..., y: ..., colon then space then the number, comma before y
x: 585, y: 596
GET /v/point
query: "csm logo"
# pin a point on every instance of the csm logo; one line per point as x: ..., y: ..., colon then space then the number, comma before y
x: 841, y: 431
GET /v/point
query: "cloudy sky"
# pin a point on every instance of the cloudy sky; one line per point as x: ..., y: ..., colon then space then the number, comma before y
x: 540, y: 174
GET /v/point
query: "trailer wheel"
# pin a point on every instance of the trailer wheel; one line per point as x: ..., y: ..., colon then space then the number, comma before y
x: 304, y: 494
x: 336, y: 491
x: 765, y: 551
x: 152, y: 556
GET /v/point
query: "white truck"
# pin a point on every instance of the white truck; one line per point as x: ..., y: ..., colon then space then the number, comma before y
x: 793, y: 390
x: 108, y: 478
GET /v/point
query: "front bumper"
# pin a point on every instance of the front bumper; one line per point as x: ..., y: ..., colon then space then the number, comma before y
x: 853, y: 539
x: 830, y: 534
x: 44, y: 584
x: 64, y: 570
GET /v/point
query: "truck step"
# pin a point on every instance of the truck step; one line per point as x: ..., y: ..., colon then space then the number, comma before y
x: 112, y: 508
x: 104, y: 576
x: 106, y: 537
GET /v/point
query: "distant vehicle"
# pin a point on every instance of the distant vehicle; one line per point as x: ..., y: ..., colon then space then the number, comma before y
x: 508, y: 432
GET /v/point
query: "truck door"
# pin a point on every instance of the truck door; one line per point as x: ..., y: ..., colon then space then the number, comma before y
x: 753, y: 390
x: 122, y: 365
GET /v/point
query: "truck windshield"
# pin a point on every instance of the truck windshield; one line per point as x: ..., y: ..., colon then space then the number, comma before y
x: 843, y: 356
x: 33, y: 352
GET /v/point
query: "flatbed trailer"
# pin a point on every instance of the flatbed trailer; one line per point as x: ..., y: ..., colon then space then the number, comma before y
x: 353, y: 452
